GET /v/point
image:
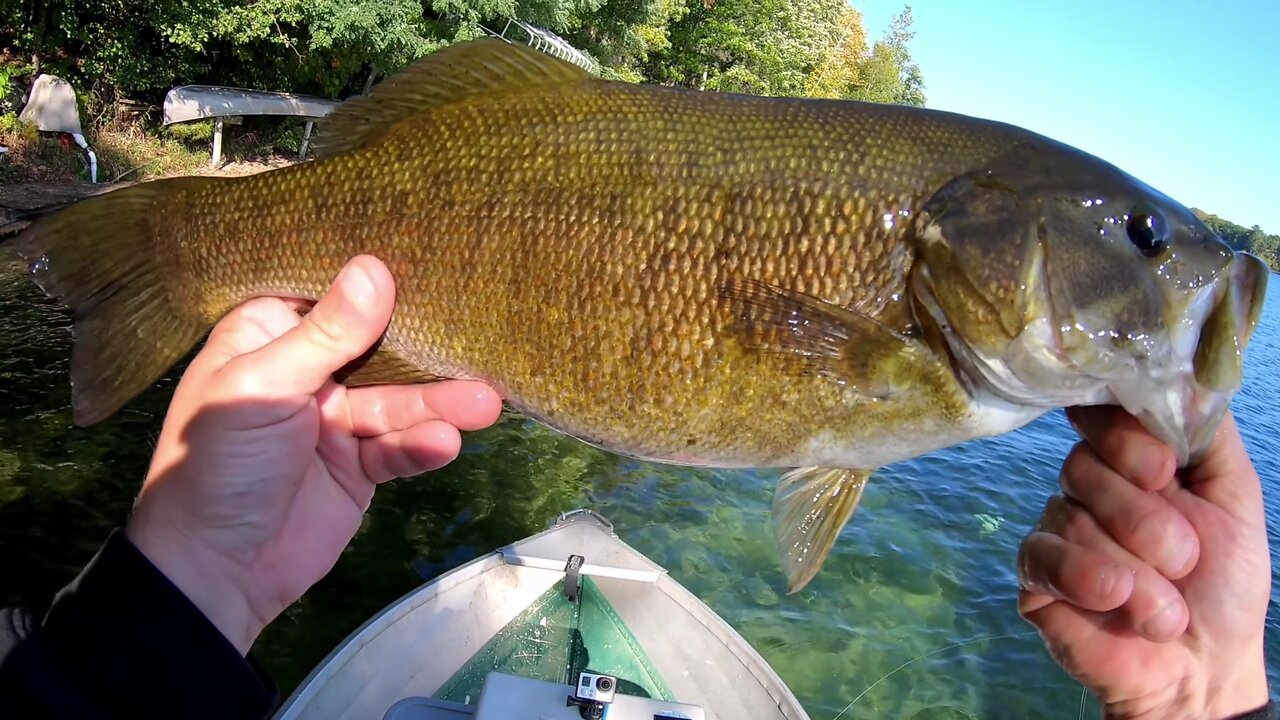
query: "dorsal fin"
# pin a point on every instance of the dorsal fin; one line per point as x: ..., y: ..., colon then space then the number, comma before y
x: 459, y: 71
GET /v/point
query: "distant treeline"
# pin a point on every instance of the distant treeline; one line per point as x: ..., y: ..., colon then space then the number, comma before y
x: 1252, y: 240
x: 141, y: 48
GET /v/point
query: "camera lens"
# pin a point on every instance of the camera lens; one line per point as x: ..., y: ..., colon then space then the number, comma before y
x: 604, y: 683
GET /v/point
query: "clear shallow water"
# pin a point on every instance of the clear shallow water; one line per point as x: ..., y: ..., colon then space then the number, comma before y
x: 922, y: 575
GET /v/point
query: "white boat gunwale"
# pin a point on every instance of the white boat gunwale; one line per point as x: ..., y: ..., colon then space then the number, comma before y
x: 618, y: 565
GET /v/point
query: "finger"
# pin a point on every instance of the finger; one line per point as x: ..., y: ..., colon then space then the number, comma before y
x: 346, y: 322
x: 1071, y: 636
x: 1226, y: 477
x: 247, y: 328
x: 1142, y: 522
x: 1121, y: 441
x: 415, y: 450
x: 380, y: 409
x: 1155, y: 608
x: 1051, y: 568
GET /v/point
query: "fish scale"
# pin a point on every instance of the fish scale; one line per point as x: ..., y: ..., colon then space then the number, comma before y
x: 608, y: 245
x: 680, y: 276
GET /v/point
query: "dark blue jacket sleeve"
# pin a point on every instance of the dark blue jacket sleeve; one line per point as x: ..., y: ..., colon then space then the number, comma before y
x: 121, y: 641
x: 1266, y: 712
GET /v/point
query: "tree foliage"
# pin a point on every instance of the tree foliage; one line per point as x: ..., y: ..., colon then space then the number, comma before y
x: 889, y: 75
x: 1251, y: 239
x: 788, y: 47
x: 141, y: 48
x: 144, y: 47
x: 839, y: 69
x: 622, y: 34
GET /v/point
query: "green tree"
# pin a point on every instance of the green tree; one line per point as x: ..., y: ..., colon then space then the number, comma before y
x: 622, y: 34
x: 327, y: 47
x: 144, y: 47
x: 1253, y: 240
x: 1237, y: 236
x: 798, y: 48
x: 840, y: 69
x: 761, y: 47
x: 888, y: 74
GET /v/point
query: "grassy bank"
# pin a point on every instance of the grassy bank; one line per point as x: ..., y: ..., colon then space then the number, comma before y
x: 138, y: 148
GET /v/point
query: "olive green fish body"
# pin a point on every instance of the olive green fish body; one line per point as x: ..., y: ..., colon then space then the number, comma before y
x: 689, y: 277
x: 568, y: 245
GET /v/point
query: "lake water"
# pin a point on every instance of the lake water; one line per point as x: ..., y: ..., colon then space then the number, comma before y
x: 924, y: 576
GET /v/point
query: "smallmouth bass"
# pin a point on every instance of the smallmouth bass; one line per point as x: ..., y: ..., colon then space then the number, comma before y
x: 686, y: 277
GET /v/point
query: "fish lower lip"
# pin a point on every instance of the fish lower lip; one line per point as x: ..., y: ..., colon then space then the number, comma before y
x: 1205, y: 408
x: 1251, y: 275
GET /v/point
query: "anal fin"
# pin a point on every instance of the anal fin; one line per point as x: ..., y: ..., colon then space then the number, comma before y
x: 810, y: 507
x: 383, y: 364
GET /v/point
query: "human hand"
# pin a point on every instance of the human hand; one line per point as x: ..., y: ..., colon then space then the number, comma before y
x: 1152, y: 592
x: 265, y: 465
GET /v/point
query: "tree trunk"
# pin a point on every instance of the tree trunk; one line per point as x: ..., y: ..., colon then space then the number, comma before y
x: 37, y: 52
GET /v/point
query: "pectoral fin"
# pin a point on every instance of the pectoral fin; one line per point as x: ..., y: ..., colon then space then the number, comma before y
x: 820, y: 337
x: 810, y: 507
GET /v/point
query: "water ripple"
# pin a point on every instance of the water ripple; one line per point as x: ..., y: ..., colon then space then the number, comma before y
x: 894, y: 623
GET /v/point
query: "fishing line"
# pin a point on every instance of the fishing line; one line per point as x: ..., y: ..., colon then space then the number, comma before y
x: 918, y: 658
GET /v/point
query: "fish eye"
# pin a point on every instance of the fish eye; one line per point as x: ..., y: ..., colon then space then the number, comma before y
x: 1147, y: 231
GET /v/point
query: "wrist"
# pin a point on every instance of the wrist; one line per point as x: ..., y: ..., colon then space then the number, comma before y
x: 210, y: 582
x: 1226, y: 691
x: 1242, y: 689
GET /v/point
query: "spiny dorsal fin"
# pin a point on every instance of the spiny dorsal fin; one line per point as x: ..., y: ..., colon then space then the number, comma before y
x: 457, y: 72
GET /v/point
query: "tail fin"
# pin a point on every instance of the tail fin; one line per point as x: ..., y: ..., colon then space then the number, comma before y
x: 14, y: 221
x: 98, y: 257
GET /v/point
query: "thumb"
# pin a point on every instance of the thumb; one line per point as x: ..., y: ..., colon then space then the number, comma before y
x: 1226, y: 477
x: 346, y: 322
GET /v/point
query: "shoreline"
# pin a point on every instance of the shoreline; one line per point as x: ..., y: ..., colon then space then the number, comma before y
x: 19, y: 198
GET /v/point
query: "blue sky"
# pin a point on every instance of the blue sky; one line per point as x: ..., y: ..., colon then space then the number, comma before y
x: 1185, y: 95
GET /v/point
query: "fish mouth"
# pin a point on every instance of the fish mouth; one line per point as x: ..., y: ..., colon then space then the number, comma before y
x: 1177, y: 377
x: 1178, y: 383
x: 1184, y: 405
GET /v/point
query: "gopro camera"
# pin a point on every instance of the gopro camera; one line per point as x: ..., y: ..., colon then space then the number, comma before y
x: 596, y: 688
x: 592, y: 693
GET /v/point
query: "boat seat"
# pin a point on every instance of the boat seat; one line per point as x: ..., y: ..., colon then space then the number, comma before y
x: 593, y: 539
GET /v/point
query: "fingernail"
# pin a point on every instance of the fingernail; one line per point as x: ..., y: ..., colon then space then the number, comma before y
x: 1110, y: 578
x: 1165, y: 623
x: 1179, y: 554
x: 1106, y: 581
x: 359, y: 286
x: 1147, y: 470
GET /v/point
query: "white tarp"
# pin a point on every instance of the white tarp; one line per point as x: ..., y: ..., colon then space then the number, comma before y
x: 52, y: 106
